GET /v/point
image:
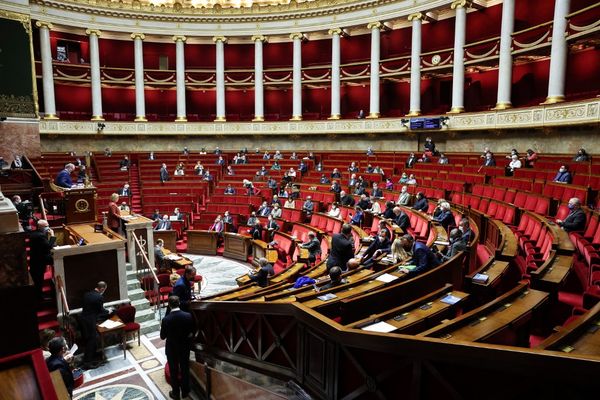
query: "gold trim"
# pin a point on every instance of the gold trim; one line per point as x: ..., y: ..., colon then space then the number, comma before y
x: 220, y: 119
x: 261, y: 38
x: 460, y: 4
x: 177, y: 38
x: 373, y: 115
x: 297, y: 35
x: 502, y: 106
x: 140, y: 118
x: 44, y: 24
x: 335, y: 31
x: 219, y: 38
x: 335, y: 116
x: 50, y: 117
x: 97, y: 118
x: 258, y: 118
x: 374, y: 25
x: 554, y: 100
x: 296, y: 118
x: 413, y: 113
x: 138, y: 35
x: 416, y: 16
x: 181, y: 119
x: 97, y: 32
x: 456, y: 110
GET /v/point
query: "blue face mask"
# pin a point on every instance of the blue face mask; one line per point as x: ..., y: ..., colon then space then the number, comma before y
x: 571, y: 206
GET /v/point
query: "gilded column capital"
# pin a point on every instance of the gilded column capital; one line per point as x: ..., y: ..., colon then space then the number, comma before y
x: 416, y: 16
x: 138, y: 35
x: 219, y: 39
x: 374, y: 25
x: 93, y: 32
x: 178, y: 38
x: 460, y: 3
x: 335, y: 31
x: 43, y: 24
x: 259, y: 38
x: 297, y: 35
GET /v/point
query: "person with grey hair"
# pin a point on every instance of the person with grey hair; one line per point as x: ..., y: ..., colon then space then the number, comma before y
x: 56, y: 362
x: 63, y: 179
x: 404, y: 197
x: 41, y: 243
x: 261, y: 276
x: 575, y: 220
x: 313, y: 246
x: 422, y: 257
x: 457, y: 244
x: 445, y: 217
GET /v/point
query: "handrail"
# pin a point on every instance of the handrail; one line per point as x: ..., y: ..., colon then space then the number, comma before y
x: 585, y: 9
x: 38, y: 178
x: 145, y: 257
x: 42, y: 206
x: 531, y: 28
x: 63, y: 295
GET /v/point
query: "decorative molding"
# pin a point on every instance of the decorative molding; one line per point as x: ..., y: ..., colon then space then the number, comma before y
x: 461, y: 3
x: 297, y: 35
x: 374, y: 25
x: 43, y: 24
x: 178, y: 38
x: 260, y: 38
x: 543, y: 116
x: 219, y: 39
x: 335, y: 31
x: 138, y: 35
x: 93, y: 31
x: 417, y: 16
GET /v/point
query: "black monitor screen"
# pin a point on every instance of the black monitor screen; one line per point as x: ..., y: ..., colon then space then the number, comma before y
x: 425, y: 123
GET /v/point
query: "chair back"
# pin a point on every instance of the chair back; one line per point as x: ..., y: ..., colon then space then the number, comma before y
x: 126, y: 313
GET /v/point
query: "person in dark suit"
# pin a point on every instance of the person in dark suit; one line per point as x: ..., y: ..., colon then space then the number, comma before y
x: 467, y: 232
x: 124, y: 163
x: 342, y: 249
x: 183, y: 288
x: 575, y: 221
x: 63, y: 179
x: 272, y: 227
x: 313, y: 246
x: 445, y: 217
x: 421, y: 204
x: 264, y: 210
x: 563, y: 175
x: 335, y: 279
x: 93, y: 312
x: 164, y: 174
x: 256, y: 231
x: 41, y: 243
x: 489, y: 160
x: 178, y: 329
x: 159, y: 255
x: 261, y: 276
x: 422, y: 256
x: 17, y: 163
x: 378, y: 247
x: 376, y: 192
x: 56, y: 361
x: 401, y: 219
x: 164, y: 224
x: 457, y: 244
x: 412, y: 159
x: 346, y: 199
x: 124, y: 191
x: 429, y: 145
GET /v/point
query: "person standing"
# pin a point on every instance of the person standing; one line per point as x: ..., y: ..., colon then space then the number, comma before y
x: 261, y: 276
x: 183, y: 288
x: 342, y: 249
x: 114, y: 213
x: 41, y: 243
x: 178, y: 328
x: 164, y: 174
x: 93, y: 312
x: 313, y: 246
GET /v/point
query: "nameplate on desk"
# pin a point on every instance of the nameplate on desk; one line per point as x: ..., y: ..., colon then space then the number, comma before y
x: 401, y: 317
x: 480, y: 278
x: 386, y: 278
x: 426, y: 306
x: 327, y: 297
x: 382, y: 327
x: 450, y: 299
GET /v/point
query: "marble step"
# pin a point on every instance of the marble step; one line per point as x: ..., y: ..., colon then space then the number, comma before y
x: 149, y: 326
x: 135, y: 294
x: 145, y: 315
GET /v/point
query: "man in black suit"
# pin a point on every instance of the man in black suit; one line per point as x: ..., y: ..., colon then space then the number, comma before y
x: 41, y: 243
x: 378, y: 247
x: 124, y: 191
x: 575, y: 221
x: 342, y: 249
x: 164, y: 224
x: 457, y: 244
x: 261, y: 276
x: 256, y: 230
x: 164, y: 174
x: 92, y: 313
x: 346, y: 199
x: 401, y: 219
x: 421, y: 204
x: 313, y: 246
x: 183, y: 288
x: 178, y: 329
x: 56, y: 361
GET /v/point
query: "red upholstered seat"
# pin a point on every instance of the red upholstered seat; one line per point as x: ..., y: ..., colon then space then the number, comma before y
x: 127, y: 315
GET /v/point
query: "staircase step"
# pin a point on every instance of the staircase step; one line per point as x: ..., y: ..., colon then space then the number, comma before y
x: 149, y: 326
x: 48, y: 325
x: 135, y: 294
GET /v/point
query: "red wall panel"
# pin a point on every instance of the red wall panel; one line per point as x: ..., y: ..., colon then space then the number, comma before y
x: 531, y: 13
x: 202, y: 103
x: 153, y: 52
x: 530, y: 83
x: 116, y: 53
x: 355, y: 48
x: 481, y: 90
x: 278, y: 55
x: 316, y: 52
x: 354, y: 99
x: 239, y: 105
x: 582, y: 74
x: 73, y: 98
x: 278, y: 102
x: 200, y: 56
x: 484, y: 24
x: 396, y: 42
x: 438, y: 35
x: 161, y: 102
x: 316, y: 101
x: 239, y: 56
x: 118, y: 100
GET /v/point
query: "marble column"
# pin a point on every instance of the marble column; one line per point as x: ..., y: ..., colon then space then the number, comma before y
x: 505, y: 62
x: 47, y: 73
x: 180, y: 76
x: 140, y: 102
x: 297, y: 77
x: 220, y: 66
x: 458, y: 70
x: 415, y: 65
x: 259, y: 106
x: 375, y: 28
x: 97, y: 115
x: 335, y: 73
x: 558, y: 53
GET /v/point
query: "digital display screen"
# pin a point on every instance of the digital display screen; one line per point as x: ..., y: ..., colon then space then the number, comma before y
x: 425, y: 123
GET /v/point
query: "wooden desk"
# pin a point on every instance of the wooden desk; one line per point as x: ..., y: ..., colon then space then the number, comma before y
x: 236, y: 246
x: 552, y: 274
x: 177, y: 264
x: 120, y: 329
x: 261, y: 249
x: 484, y: 322
x: 202, y: 242
x: 87, y: 233
x: 168, y: 237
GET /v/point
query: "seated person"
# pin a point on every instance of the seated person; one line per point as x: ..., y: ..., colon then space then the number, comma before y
x: 164, y: 224
x: 375, y: 208
x: 443, y: 160
x: 513, y: 165
x: 334, y: 211
x: 178, y: 214
x: 45, y: 336
x: 389, y: 185
x: 445, y: 217
x: 159, y: 255
x: 17, y: 163
x: 467, y: 233
x: 377, y: 249
x: 180, y: 169
x: 581, y: 155
x: 261, y: 276
x: 308, y: 207
x: 124, y: 163
x: 403, y: 178
x: 276, y: 166
x: 335, y: 187
x: 489, y: 160
x: 412, y: 159
x: 353, y: 167
x: 230, y: 190
x: 251, y: 221
x: 63, y: 179
x: 199, y: 168
x: 272, y: 227
x: 376, y: 192
x: 313, y: 246
x: 229, y: 171
x: 276, y: 211
x: 563, y: 175
x: 411, y: 180
x: 575, y: 220
x: 421, y: 203
x: 429, y: 146
x: 124, y: 207
x: 125, y: 190
x: 256, y: 230
x: 335, y: 174
x: 404, y: 197
x: 388, y: 213
x: 398, y: 252
x: 157, y: 215
x: 530, y: 158
x: 264, y: 210
x: 422, y: 257
x: 365, y: 202
x: 457, y: 244
x: 335, y: 278
x: 324, y: 180
x: 357, y: 217
x: 289, y: 203
x: 58, y: 349
x: 400, y: 218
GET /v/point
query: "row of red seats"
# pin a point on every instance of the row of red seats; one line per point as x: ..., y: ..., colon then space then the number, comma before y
x: 530, y: 202
x: 535, y: 242
x: 326, y: 223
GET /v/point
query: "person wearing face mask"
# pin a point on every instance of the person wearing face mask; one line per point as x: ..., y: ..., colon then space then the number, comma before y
x: 581, y: 155
x: 41, y: 243
x: 575, y: 221
x: 514, y: 164
x: 378, y: 248
x: 457, y: 244
x: 489, y: 160
x: 465, y: 229
x: 422, y: 256
x: 403, y: 178
x: 124, y: 191
x: 563, y: 175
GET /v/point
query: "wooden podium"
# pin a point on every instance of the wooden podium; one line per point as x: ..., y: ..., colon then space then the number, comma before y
x: 236, y: 246
x: 202, y: 242
x: 80, y: 205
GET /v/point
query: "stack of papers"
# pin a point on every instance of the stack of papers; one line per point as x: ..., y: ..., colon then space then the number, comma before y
x: 480, y: 278
x: 450, y: 299
x: 110, y: 324
x: 173, y: 257
x: 327, y: 296
x: 383, y: 327
x: 386, y: 278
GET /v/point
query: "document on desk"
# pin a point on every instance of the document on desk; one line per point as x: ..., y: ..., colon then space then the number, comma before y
x: 382, y: 327
x: 386, y: 278
x: 110, y: 324
x: 173, y: 257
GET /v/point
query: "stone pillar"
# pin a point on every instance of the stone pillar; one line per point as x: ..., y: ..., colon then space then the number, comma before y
x: 458, y: 70
x: 47, y: 73
x: 259, y: 106
x: 415, y: 65
x: 94, y: 34
x: 375, y: 28
x: 505, y: 62
x: 140, y: 102
x: 558, y: 53
x: 220, y: 61
x: 180, y: 77
x: 335, y: 73
x: 297, y: 77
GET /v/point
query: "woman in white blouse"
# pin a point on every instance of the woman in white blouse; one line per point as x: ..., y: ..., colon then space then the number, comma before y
x: 335, y: 211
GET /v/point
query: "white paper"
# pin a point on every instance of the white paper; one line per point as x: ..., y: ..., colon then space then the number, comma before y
x: 382, y: 327
x: 73, y: 349
x: 386, y: 278
x: 110, y: 324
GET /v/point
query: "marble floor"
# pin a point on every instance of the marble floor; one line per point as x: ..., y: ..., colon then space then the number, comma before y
x: 140, y: 375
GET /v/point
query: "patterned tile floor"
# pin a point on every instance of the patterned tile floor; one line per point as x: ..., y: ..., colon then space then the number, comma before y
x: 140, y: 376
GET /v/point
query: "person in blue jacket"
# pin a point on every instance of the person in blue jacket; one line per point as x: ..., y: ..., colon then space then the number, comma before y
x: 563, y: 175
